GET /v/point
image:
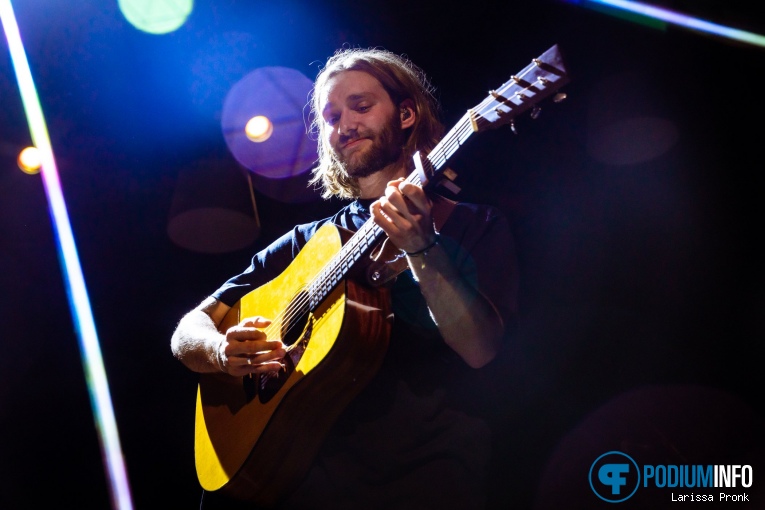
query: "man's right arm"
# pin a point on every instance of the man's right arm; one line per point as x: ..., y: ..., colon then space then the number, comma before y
x: 196, y: 341
x: 242, y: 349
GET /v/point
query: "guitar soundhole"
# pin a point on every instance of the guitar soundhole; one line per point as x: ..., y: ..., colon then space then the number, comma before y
x: 295, y: 319
x: 270, y: 384
x: 296, y: 333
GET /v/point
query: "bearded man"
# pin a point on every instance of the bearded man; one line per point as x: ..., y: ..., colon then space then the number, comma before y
x: 405, y: 440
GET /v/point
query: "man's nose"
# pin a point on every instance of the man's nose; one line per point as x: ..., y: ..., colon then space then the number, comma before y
x: 346, y: 126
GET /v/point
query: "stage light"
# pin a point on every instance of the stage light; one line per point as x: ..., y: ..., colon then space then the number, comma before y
x: 259, y: 129
x: 281, y: 167
x: 29, y: 160
x: 213, y: 208
x: 156, y: 16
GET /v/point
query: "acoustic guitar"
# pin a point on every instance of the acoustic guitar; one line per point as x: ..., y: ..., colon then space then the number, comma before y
x: 255, y: 437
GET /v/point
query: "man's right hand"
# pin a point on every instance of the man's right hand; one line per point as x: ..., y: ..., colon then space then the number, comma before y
x: 246, y: 349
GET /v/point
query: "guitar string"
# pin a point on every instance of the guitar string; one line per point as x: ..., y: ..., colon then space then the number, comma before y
x: 434, y: 160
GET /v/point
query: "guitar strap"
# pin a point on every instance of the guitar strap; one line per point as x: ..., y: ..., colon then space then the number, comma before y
x: 388, y: 261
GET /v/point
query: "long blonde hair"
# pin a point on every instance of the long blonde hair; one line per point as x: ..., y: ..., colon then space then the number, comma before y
x: 402, y: 80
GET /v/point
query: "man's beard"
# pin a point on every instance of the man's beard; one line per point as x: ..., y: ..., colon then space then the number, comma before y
x: 385, y: 151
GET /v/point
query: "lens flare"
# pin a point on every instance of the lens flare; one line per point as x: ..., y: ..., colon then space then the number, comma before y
x: 681, y: 20
x: 95, y: 373
x: 29, y: 160
x: 156, y: 16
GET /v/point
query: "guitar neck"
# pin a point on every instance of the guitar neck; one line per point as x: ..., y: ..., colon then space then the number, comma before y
x: 360, y: 244
x: 432, y: 171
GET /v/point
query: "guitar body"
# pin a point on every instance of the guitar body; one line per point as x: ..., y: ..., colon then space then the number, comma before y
x: 256, y: 449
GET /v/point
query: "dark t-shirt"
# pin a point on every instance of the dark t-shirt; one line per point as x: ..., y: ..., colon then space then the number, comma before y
x: 407, y: 440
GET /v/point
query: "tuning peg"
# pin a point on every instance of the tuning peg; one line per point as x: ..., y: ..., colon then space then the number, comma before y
x: 512, y: 127
x: 559, y: 97
x: 535, y: 111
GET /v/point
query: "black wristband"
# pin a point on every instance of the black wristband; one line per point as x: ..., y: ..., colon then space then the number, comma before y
x: 424, y: 251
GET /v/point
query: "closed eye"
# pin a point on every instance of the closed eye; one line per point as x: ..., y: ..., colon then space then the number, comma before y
x: 363, y: 109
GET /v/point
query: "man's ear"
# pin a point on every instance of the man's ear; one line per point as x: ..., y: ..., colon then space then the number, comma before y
x: 407, y: 114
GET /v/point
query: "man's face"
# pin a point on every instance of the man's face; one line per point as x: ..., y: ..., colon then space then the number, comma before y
x: 362, y: 124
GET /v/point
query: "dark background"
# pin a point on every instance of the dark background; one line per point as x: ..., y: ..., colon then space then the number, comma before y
x: 642, y: 287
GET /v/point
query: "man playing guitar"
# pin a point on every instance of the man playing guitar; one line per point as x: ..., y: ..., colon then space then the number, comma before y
x: 405, y: 441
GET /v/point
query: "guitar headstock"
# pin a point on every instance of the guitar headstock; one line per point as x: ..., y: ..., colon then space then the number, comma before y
x: 522, y: 92
x: 537, y: 81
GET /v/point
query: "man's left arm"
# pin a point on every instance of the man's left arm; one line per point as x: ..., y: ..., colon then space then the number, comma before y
x: 466, y: 318
x: 468, y: 322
